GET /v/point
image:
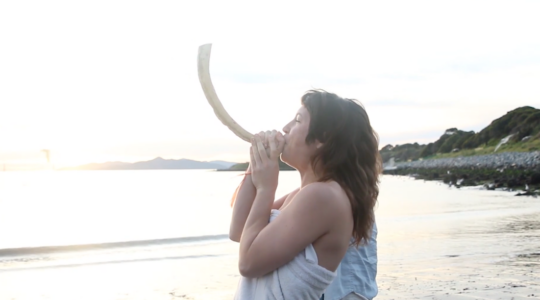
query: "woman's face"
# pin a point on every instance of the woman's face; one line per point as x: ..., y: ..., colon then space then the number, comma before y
x: 296, y: 152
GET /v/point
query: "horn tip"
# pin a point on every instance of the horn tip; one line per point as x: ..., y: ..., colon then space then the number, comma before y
x: 209, y: 45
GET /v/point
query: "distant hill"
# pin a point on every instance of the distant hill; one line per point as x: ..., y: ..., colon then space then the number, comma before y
x: 520, y: 122
x: 452, y: 140
x: 157, y: 163
x: 521, y: 128
x: 225, y: 164
x: 401, y: 152
x: 243, y: 166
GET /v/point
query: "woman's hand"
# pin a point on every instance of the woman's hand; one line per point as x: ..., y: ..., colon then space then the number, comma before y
x: 265, y: 162
x: 265, y: 136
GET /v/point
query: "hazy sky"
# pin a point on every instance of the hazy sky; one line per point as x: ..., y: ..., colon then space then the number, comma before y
x: 95, y: 81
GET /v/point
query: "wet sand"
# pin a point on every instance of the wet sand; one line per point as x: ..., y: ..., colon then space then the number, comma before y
x: 212, y: 275
x: 511, y: 272
x: 508, y: 267
x: 453, y: 278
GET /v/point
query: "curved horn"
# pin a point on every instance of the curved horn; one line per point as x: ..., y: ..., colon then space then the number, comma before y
x: 211, y: 96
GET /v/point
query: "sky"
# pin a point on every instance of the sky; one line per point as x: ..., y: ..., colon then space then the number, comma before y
x: 96, y: 81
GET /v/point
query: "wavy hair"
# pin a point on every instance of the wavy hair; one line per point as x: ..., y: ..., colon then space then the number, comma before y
x: 349, y: 153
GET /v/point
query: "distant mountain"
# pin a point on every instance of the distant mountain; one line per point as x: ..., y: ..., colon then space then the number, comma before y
x: 157, y: 163
x: 225, y: 164
x: 243, y: 166
x: 519, y: 127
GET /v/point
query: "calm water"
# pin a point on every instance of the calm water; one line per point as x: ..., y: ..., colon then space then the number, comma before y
x: 81, y: 207
x: 48, y: 208
x: 59, y: 208
x: 420, y: 223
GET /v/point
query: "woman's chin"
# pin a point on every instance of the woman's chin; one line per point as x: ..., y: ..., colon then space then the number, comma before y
x: 284, y: 159
x: 286, y: 156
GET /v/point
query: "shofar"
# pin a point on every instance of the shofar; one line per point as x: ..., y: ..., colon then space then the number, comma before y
x: 211, y: 96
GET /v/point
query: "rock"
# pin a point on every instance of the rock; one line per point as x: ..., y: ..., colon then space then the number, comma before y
x: 535, y: 178
x: 468, y: 182
x: 500, y: 161
x: 490, y: 186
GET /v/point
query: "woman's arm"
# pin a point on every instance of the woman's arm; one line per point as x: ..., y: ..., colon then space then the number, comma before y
x: 243, y: 201
x: 242, y: 206
x: 267, y: 246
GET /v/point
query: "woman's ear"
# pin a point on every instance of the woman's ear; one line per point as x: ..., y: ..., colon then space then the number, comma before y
x: 318, y: 144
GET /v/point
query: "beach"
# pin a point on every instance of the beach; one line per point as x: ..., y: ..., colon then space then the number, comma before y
x: 434, y: 241
x: 512, y: 271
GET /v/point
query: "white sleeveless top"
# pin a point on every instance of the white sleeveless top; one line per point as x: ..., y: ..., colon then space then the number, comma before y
x: 300, y: 279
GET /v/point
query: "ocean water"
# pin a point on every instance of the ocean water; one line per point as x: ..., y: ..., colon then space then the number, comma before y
x: 83, y: 207
x: 173, y: 224
x: 124, y: 214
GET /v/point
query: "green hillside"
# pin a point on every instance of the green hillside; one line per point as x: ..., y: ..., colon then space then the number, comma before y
x: 402, y: 152
x: 521, y: 122
x: 452, y: 140
x: 521, y: 126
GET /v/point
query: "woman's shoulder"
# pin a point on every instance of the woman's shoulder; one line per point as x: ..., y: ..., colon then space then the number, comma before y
x: 325, y: 189
x: 326, y: 194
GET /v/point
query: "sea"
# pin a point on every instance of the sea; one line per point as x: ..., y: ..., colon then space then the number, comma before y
x: 163, y: 234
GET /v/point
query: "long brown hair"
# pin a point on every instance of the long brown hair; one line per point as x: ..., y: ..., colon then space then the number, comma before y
x: 349, y: 153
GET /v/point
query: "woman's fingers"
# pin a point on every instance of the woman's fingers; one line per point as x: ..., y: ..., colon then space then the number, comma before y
x: 257, y: 151
x: 274, y: 152
x: 267, y: 145
x: 253, y: 163
x: 280, y: 142
x: 264, y: 139
x: 256, y: 156
x: 266, y: 142
x: 262, y: 157
x: 267, y: 138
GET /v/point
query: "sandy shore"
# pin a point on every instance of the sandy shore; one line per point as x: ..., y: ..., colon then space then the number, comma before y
x: 210, y: 276
x: 507, y: 266
x: 447, y: 278
x: 451, y: 244
x: 504, y: 275
x: 462, y: 279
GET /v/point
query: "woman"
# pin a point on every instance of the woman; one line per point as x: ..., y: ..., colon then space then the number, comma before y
x: 295, y: 255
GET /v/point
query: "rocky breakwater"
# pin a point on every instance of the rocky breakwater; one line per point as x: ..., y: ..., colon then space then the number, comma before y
x: 508, y: 170
x: 527, y: 160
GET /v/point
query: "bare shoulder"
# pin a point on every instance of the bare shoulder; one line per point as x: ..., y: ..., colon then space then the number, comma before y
x: 327, y: 196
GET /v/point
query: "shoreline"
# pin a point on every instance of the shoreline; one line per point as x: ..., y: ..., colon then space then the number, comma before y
x: 46, y: 250
x: 511, y: 171
x: 433, y: 243
x: 242, y: 167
